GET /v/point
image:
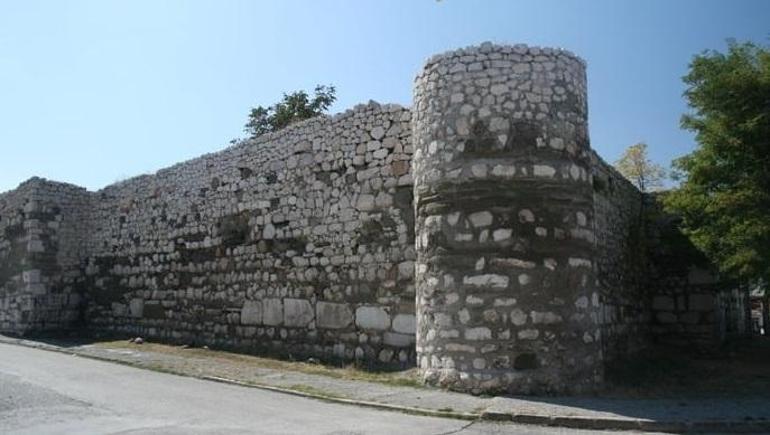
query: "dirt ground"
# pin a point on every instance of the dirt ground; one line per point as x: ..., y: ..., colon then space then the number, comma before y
x: 245, y: 362
x: 738, y: 369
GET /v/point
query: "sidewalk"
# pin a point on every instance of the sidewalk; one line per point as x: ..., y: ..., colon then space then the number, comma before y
x: 669, y: 415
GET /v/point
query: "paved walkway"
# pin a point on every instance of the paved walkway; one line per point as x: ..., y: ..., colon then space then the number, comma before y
x: 709, y: 415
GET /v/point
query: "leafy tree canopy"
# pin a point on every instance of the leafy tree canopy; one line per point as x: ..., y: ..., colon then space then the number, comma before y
x: 724, y: 197
x: 639, y: 169
x: 296, y: 106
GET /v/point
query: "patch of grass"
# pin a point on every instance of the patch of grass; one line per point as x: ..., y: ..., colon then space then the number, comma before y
x: 404, y: 378
x: 157, y: 367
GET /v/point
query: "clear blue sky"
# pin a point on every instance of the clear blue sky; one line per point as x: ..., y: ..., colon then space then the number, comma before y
x: 95, y: 91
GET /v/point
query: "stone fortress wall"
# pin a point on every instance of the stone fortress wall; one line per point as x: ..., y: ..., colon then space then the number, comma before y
x: 300, y: 242
x: 476, y: 235
x: 506, y: 294
x: 621, y: 261
x: 42, y: 228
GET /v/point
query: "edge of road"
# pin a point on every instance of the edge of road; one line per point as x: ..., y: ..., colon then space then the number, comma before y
x: 564, y: 421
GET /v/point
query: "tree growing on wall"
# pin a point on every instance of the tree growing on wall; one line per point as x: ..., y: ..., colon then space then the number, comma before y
x: 639, y: 169
x: 295, y: 106
x: 724, y: 197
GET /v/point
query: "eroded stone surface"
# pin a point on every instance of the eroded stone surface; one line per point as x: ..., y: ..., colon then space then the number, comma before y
x: 333, y: 316
x: 297, y: 312
x: 251, y: 313
x: 372, y: 318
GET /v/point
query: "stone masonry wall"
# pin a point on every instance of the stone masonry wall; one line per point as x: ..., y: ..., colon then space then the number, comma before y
x: 476, y: 235
x: 299, y: 242
x: 506, y: 293
x: 41, y: 235
x: 620, y: 262
x: 690, y: 304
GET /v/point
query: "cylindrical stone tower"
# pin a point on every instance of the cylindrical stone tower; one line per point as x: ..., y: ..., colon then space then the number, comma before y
x: 506, y: 297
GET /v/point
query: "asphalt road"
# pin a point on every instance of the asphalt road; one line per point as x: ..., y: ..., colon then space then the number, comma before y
x: 44, y: 392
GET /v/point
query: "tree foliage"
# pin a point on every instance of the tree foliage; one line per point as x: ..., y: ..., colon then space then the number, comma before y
x: 724, y: 197
x: 296, y: 106
x: 639, y: 169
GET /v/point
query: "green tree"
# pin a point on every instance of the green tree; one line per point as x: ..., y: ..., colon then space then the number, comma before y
x: 724, y: 197
x: 639, y: 169
x: 294, y: 107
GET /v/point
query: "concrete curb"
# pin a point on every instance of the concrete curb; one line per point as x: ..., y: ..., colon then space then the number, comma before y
x: 362, y: 403
x: 631, y: 424
x: 572, y: 422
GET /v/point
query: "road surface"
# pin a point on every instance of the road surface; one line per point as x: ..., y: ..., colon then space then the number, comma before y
x: 44, y: 392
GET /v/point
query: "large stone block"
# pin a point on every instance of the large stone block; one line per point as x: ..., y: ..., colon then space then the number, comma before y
x: 136, y: 307
x: 405, y: 323
x: 272, y: 313
x: 333, y: 316
x: 369, y: 317
x: 297, y: 312
x: 251, y: 313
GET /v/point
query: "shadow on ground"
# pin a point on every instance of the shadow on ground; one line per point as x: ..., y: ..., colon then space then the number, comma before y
x: 672, y: 384
x: 740, y: 368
